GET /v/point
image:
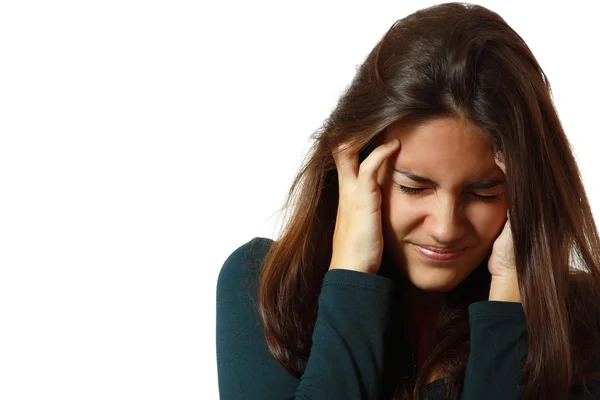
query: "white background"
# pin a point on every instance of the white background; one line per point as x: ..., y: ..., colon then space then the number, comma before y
x: 141, y: 142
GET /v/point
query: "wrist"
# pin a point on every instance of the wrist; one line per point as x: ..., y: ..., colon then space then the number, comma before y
x: 505, y: 288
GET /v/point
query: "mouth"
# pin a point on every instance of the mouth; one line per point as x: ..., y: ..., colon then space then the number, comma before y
x: 438, y: 254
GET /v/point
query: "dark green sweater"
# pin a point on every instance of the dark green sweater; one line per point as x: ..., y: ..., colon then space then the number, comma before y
x: 347, y: 355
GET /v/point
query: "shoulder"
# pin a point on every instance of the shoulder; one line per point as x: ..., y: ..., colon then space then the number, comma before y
x: 245, y: 259
x: 237, y: 292
x: 242, y: 266
x: 246, y: 368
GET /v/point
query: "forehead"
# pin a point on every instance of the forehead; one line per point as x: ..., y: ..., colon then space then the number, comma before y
x: 442, y: 145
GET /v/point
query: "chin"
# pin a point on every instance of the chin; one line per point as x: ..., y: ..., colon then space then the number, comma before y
x: 433, y: 284
x: 433, y: 279
x: 438, y: 277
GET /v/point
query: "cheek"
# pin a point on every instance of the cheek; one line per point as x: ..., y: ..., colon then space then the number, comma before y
x: 399, y: 214
x: 487, y: 219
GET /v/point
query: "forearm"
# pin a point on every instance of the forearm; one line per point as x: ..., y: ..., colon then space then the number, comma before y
x: 505, y: 288
x: 498, y: 334
x: 348, y: 342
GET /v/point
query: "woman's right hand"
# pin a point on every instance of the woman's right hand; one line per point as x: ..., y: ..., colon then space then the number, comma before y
x: 358, y: 235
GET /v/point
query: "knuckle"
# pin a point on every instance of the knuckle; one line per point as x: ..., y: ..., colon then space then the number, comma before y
x: 365, y: 167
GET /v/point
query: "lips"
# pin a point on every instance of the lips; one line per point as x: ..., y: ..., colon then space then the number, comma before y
x: 437, y: 253
x: 441, y: 250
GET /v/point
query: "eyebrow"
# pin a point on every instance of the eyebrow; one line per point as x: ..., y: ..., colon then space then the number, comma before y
x: 475, y: 185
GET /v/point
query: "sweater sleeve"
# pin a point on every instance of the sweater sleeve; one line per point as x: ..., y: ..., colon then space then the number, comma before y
x: 498, y: 335
x: 499, y: 348
x: 347, y: 354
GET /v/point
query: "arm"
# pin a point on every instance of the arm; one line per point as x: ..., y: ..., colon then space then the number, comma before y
x: 498, y: 350
x: 346, y: 359
x: 499, y: 347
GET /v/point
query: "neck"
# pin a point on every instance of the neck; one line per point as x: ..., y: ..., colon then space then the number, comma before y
x: 423, y: 306
x: 422, y: 310
x: 420, y: 305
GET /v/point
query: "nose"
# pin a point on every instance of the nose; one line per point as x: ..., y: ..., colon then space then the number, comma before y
x: 445, y: 223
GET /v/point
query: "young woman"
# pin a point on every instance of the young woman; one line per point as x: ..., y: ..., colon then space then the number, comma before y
x: 441, y: 243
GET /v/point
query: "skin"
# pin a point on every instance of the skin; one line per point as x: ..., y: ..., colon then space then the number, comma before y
x: 449, y: 152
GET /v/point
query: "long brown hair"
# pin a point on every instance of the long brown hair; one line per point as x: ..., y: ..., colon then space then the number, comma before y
x: 463, y: 61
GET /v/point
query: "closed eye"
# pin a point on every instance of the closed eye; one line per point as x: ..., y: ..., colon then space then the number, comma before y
x: 415, y: 191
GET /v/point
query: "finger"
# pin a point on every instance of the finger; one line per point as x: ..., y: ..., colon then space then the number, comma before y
x: 499, y: 159
x: 346, y: 161
x: 370, y: 166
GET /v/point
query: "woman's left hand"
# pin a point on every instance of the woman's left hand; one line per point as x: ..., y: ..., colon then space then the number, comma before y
x: 501, y: 263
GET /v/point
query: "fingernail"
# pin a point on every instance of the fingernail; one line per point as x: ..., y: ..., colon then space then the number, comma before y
x: 392, y: 142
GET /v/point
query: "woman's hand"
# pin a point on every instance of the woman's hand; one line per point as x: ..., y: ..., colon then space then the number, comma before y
x: 501, y: 264
x: 358, y: 235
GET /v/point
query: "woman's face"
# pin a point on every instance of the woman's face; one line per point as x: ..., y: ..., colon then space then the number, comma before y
x: 445, y: 211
